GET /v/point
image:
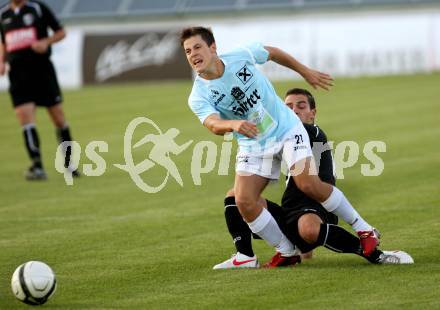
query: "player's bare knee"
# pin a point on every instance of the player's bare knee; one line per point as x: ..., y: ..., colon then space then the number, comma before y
x: 59, y: 121
x: 244, y: 202
x: 247, y: 205
x: 309, y: 226
x: 59, y: 124
x: 57, y: 115
x: 309, y: 234
x: 25, y: 114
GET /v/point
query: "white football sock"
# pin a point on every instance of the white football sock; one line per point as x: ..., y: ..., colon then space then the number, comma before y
x: 267, y: 228
x: 338, y: 204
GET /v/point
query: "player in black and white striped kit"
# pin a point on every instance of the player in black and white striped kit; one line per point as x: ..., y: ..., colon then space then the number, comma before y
x: 303, y: 220
x: 26, y: 47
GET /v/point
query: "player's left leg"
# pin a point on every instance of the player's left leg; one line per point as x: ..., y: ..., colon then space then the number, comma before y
x: 309, y: 226
x: 337, y: 203
x: 339, y: 240
x: 237, y: 227
x: 241, y: 236
x: 314, y: 232
x: 299, y: 157
x: 309, y: 230
x: 63, y: 132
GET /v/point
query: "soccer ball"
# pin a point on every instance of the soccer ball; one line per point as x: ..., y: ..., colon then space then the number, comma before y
x: 33, y: 283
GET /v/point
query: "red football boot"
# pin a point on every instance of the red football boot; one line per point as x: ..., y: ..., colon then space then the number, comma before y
x: 282, y: 261
x: 369, y: 240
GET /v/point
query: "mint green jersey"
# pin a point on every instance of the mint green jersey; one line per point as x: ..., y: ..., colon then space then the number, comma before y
x: 244, y: 93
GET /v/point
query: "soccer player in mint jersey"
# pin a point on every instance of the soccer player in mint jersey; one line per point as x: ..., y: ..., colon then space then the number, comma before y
x: 303, y: 220
x: 26, y: 46
x: 231, y: 95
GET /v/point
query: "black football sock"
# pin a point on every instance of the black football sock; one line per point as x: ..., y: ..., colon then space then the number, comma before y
x: 238, y: 228
x: 63, y: 134
x: 272, y: 206
x: 32, y: 143
x: 338, y: 239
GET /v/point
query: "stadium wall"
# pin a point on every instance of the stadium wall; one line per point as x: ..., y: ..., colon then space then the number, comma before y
x: 343, y: 44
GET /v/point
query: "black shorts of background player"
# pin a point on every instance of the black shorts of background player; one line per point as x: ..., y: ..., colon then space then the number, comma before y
x: 304, y: 221
x: 26, y: 47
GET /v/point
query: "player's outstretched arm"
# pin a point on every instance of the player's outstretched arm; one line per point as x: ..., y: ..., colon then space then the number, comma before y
x: 220, y: 126
x: 315, y: 78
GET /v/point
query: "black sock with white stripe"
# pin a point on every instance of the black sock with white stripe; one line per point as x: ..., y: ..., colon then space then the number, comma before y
x: 63, y: 134
x: 238, y: 228
x: 338, y: 239
x: 32, y: 143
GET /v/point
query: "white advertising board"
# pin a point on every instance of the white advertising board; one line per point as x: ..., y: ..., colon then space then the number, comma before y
x: 344, y: 45
x: 67, y: 59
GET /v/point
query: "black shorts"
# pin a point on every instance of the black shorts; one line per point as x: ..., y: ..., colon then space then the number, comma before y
x: 287, y: 217
x: 36, y: 82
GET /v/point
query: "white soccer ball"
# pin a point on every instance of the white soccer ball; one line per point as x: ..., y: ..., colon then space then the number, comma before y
x: 33, y: 283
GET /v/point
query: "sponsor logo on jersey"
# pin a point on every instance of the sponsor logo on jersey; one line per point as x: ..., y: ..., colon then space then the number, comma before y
x: 244, y: 74
x: 20, y: 38
x: 28, y: 19
x: 300, y: 147
x: 216, y: 96
x: 244, y: 103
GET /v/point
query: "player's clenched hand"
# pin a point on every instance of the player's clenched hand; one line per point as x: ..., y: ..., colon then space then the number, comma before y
x: 246, y: 128
x: 40, y: 46
x: 318, y: 79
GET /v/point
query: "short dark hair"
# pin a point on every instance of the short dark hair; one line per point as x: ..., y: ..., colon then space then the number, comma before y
x: 305, y: 92
x: 205, y: 33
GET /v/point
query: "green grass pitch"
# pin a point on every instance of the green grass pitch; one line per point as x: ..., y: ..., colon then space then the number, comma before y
x: 114, y: 246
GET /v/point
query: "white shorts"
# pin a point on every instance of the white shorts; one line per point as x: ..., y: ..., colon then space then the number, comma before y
x: 294, y: 147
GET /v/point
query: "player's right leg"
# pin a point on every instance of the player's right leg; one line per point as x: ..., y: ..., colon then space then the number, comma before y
x: 241, y: 236
x: 248, y: 189
x: 237, y: 227
x: 26, y: 116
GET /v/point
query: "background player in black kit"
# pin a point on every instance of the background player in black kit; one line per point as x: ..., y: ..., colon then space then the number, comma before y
x: 26, y: 47
x: 303, y: 220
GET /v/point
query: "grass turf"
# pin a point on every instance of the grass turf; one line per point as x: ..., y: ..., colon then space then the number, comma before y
x: 114, y: 246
